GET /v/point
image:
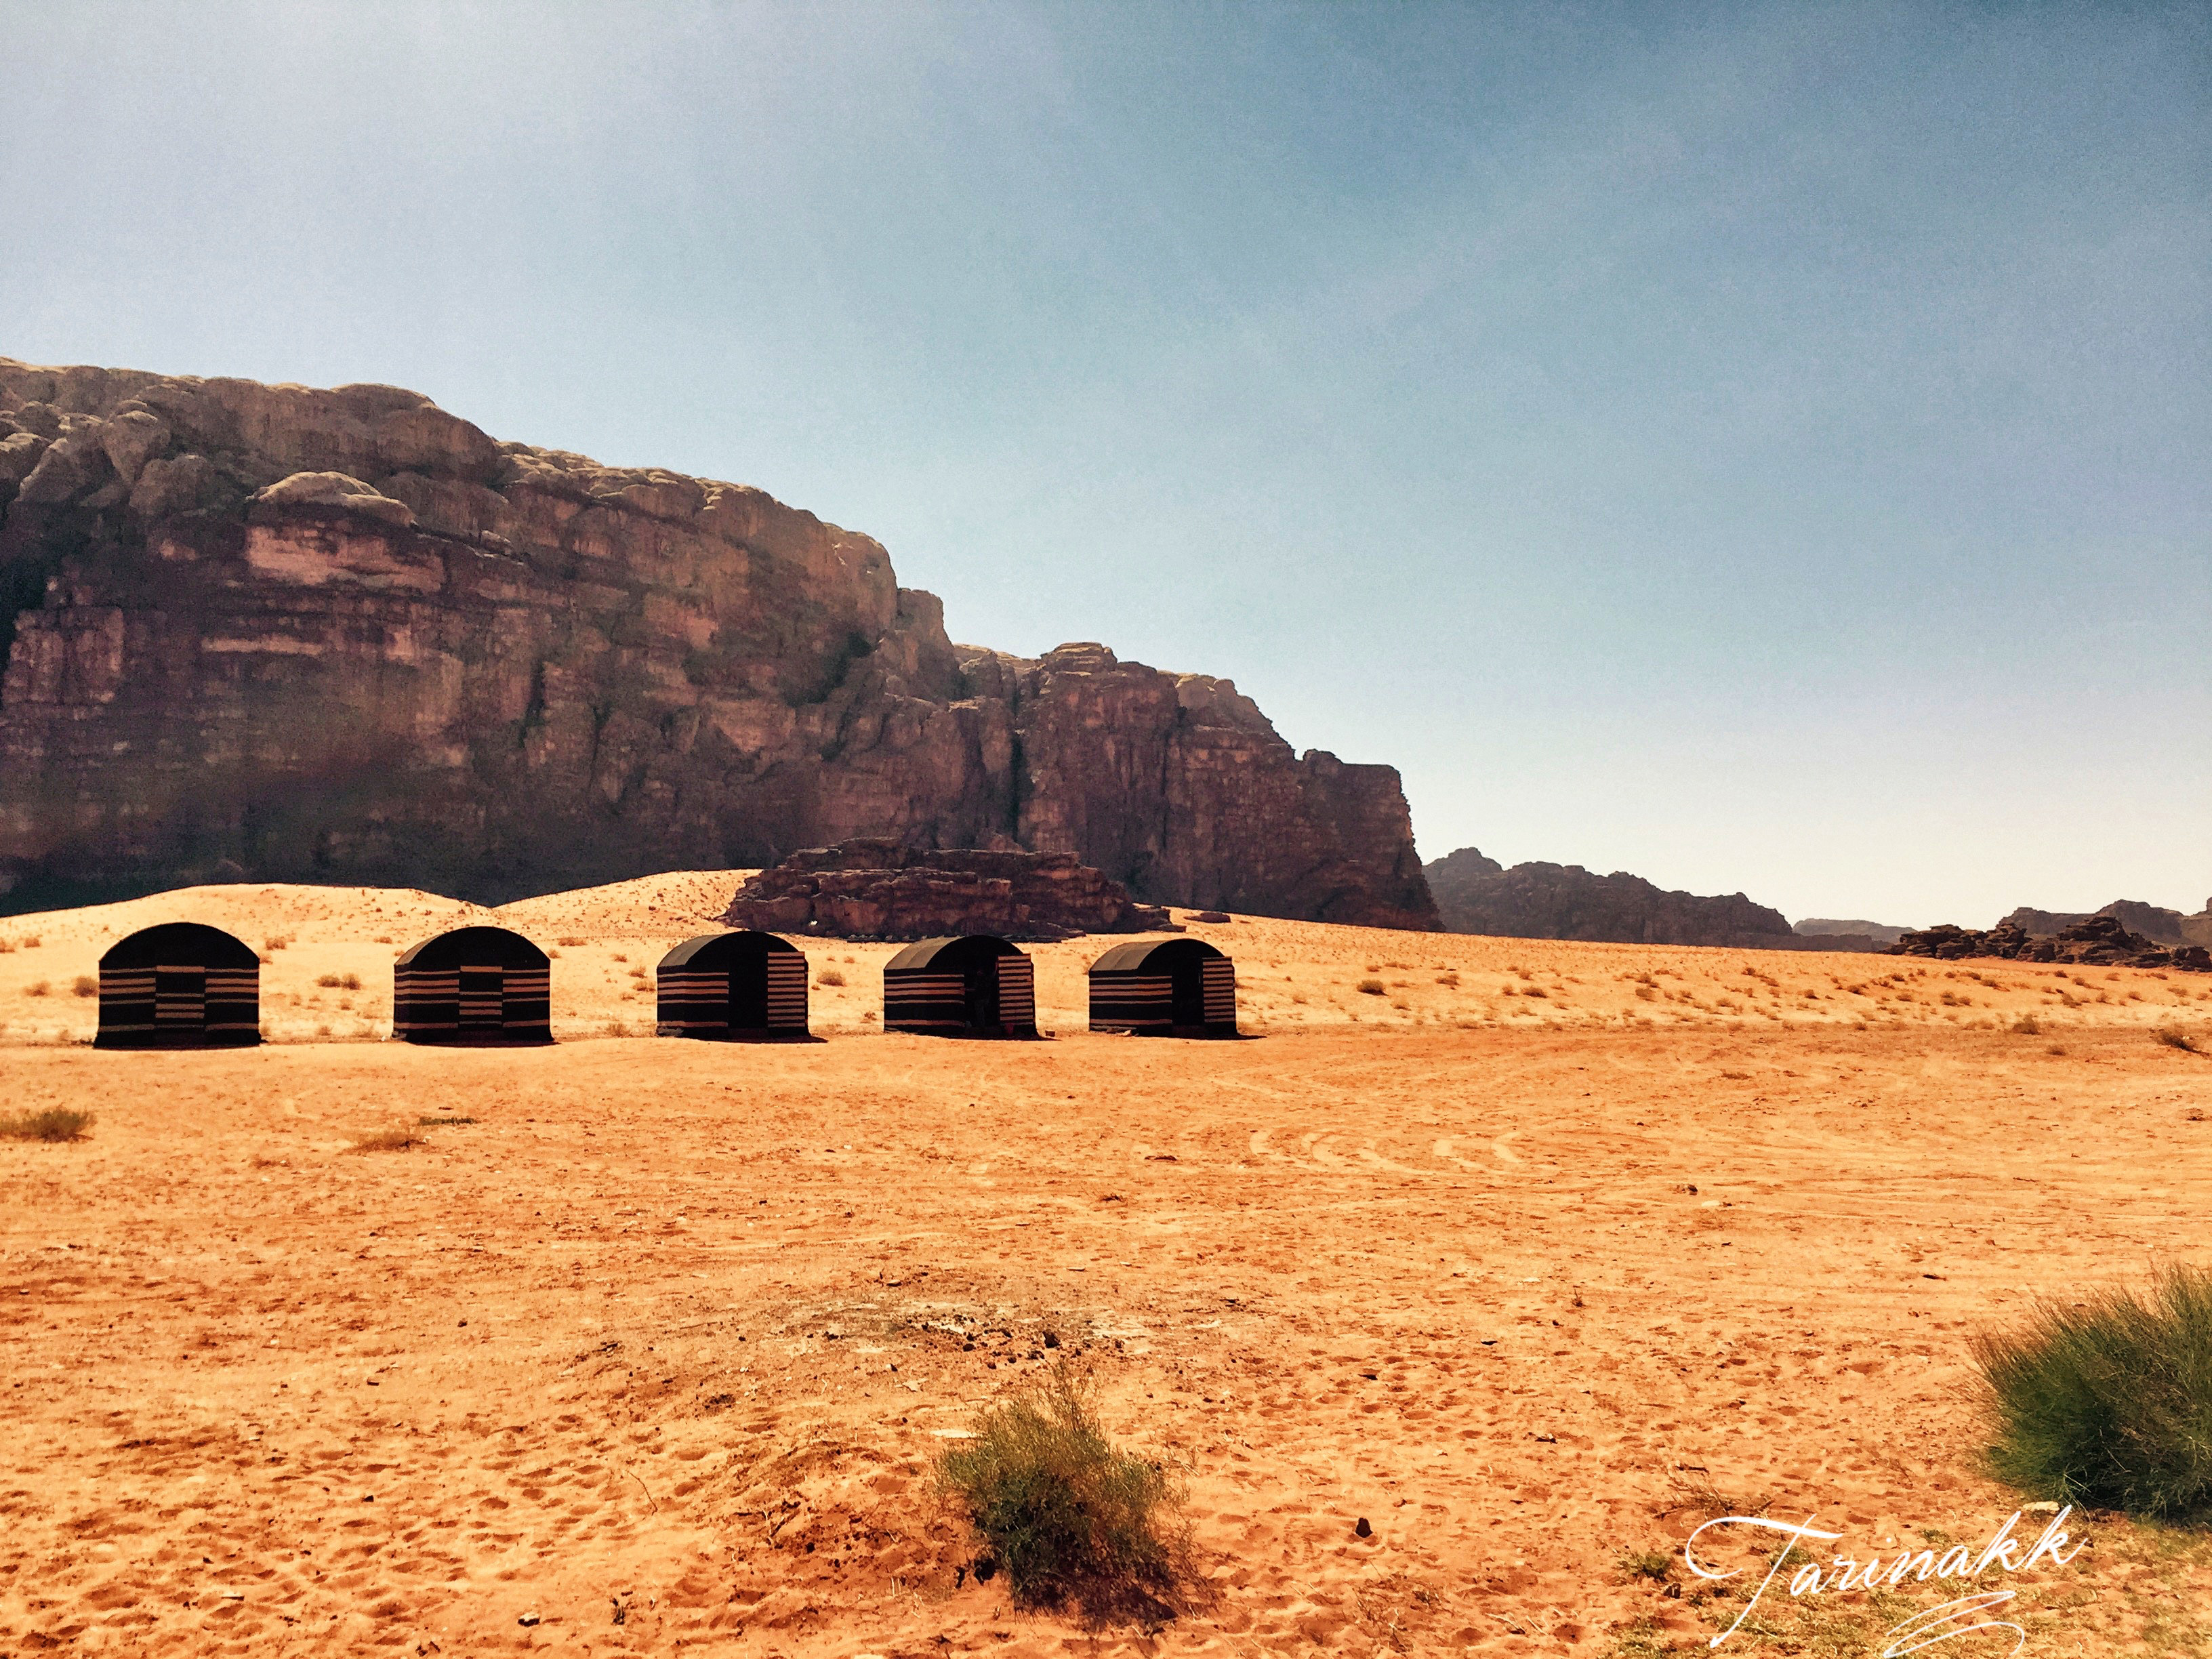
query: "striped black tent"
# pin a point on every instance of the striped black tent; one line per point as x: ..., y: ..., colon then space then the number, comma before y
x: 1165, y: 987
x: 473, y: 985
x: 975, y: 986
x: 181, y: 985
x: 742, y: 987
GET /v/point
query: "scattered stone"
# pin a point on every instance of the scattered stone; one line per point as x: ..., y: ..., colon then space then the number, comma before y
x: 1212, y: 915
x: 1362, y: 1530
x: 1051, y: 1340
x: 527, y: 1619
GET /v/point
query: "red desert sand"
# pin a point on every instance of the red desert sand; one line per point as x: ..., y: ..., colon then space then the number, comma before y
x: 1533, y: 1255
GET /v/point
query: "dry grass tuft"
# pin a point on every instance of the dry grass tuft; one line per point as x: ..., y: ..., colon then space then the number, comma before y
x: 1068, y: 1515
x: 2108, y: 1403
x: 85, y: 986
x: 394, y: 1139
x: 1370, y: 988
x: 829, y: 977
x: 48, y: 1123
x: 1690, y: 1486
x: 2174, y: 1037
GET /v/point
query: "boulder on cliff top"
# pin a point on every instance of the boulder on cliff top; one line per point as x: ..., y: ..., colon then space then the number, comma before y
x: 335, y: 492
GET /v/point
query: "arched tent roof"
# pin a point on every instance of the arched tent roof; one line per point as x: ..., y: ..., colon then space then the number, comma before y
x: 475, y: 947
x: 173, y: 944
x: 950, y: 955
x: 1157, y: 955
x: 709, y: 951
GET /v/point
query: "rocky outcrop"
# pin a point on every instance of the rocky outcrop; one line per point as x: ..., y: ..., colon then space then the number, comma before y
x: 2031, y: 920
x: 878, y: 890
x: 343, y: 635
x: 1475, y: 895
x: 2096, y: 941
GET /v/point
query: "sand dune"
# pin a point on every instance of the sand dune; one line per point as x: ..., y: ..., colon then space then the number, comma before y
x: 657, y: 1344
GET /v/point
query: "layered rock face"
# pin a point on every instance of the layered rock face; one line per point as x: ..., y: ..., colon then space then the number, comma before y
x: 878, y: 890
x: 343, y: 635
x: 1477, y: 895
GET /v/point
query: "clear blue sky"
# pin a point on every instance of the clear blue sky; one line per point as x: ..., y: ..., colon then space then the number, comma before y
x: 1759, y: 447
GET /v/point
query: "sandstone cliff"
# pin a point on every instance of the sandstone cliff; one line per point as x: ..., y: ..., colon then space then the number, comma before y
x: 1477, y: 895
x: 343, y: 635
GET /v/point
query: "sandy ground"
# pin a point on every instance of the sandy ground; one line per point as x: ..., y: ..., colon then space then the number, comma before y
x: 656, y: 1343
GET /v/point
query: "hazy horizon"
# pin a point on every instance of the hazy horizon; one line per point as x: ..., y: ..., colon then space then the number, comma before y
x: 1762, y: 449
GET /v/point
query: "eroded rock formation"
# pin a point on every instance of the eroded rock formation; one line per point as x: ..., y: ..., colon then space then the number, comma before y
x: 2097, y: 940
x: 878, y: 890
x: 343, y: 635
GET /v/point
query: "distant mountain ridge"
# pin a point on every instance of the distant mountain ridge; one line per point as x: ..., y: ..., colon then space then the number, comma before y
x: 1824, y: 926
x: 1477, y: 895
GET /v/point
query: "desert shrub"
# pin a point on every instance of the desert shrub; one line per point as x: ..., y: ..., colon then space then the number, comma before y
x: 1066, y: 1513
x: 85, y: 984
x: 394, y: 1139
x: 38, y: 988
x: 1657, y: 1565
x: 328, y: 981
x: 275, y: 942
x: 48, y: 1123
x: 2028, y: 1025
x: 568, y: 942
x: 1370, y: 988
x: 2108, y: 1403
x: 2174, y: 1037
x: 830, y: 976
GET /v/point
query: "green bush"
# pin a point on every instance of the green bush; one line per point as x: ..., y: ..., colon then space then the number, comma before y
x: 49, y: 1123
x: 1067, y: 1514
x: 2109, y: 1404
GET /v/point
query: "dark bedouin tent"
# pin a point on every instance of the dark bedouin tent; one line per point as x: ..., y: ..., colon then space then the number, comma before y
x: 475, y: 984
x: 181, y: 985
x: 1165, y: 987
x: 975, y: 986
x: 735, y: 987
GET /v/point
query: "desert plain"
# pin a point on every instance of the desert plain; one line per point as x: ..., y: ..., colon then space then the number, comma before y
x: 1532, y: 1255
